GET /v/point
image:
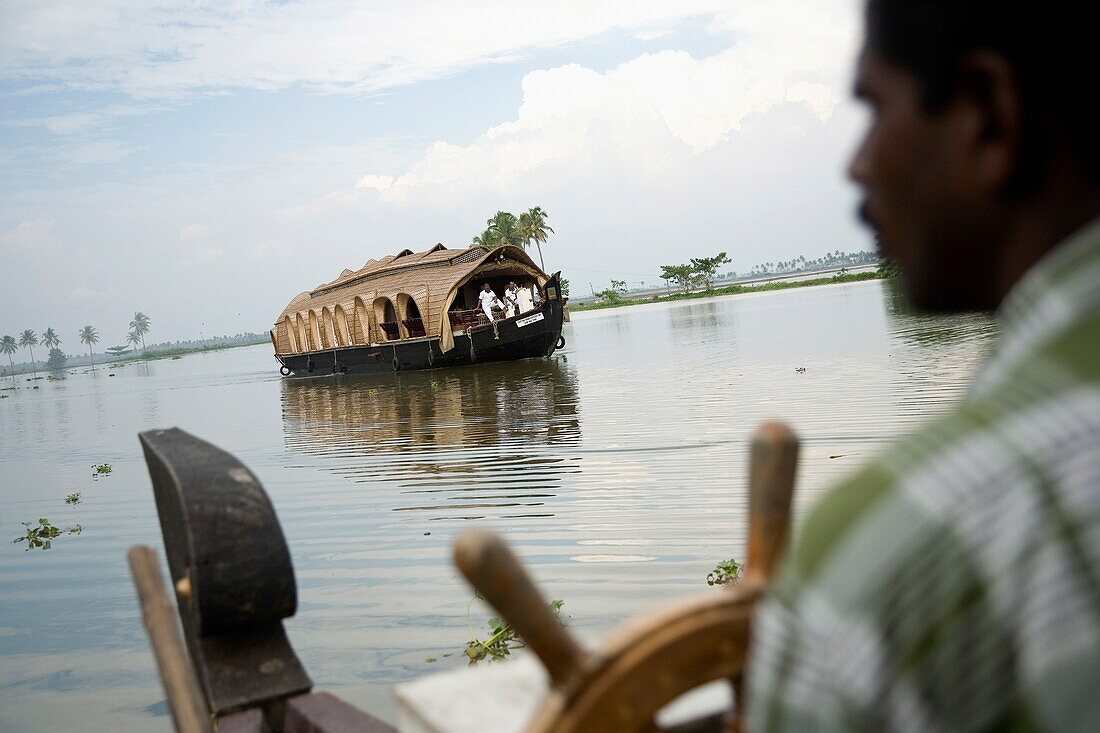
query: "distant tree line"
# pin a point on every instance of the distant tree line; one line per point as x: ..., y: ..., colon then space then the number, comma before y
x: 88, y: 335
x: 826, y: 261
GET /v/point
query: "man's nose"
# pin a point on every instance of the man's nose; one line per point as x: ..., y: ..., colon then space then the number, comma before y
x: 859, y: 165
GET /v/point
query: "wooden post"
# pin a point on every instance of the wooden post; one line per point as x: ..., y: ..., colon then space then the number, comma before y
x: 189, y: 713
x: 772, y: 462
x: 772, y: 466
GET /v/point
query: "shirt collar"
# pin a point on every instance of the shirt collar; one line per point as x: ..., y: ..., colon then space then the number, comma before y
x: 1057, y: 291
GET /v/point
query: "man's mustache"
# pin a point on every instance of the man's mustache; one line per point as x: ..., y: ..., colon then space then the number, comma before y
x: 864, y: 214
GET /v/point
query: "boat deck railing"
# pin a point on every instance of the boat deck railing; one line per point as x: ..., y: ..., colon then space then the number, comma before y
x: 466, y: 319
x: 391, y: 329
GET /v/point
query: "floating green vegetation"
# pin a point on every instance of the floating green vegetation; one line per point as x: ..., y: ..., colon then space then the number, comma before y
x: 41, y: 536
x: 73, y: 498
x: 101, y: 469
x: 726, y: 572
x: 502, y: 639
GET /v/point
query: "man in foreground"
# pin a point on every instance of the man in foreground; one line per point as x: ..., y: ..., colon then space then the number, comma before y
x: 954, y: 584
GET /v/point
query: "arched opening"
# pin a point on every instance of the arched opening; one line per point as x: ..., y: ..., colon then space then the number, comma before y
x: 328, y: 336
x: 361, y: 323
x: 411, y: 322
x: 291, y: 336
x: 303, y: 334
x: 343, y: 336
x: 315, y: 331
x: 386, y: 317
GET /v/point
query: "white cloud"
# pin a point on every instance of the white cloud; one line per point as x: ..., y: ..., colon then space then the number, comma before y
x: 374, y: 180
x: 32, y: 238
x: 82, y: 293
x: 206, y: 255
x: 151, y: 51
x: 94, y: 152
x: 322, y: 206
x: 194, y: 231
x: 195, y: 247
x: 646, y: 116
x: 68, y: 124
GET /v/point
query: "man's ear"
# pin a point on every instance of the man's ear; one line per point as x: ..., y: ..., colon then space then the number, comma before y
x: 990, y: 89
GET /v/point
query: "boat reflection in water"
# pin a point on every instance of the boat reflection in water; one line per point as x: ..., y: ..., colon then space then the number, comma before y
x: 493, y: 440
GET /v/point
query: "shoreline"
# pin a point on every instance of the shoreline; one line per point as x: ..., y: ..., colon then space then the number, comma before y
x: 109, y: 361
x: 730, y: 290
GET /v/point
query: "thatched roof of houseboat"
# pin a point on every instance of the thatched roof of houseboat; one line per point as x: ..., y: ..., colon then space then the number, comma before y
x: 347, y: 310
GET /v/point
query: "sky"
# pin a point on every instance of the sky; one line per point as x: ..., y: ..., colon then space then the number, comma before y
x: 204, y: 163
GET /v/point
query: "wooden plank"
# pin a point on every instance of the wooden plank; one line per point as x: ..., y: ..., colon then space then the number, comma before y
x: 250, y: 721
x: 320, y: 712
x: 181, y: 687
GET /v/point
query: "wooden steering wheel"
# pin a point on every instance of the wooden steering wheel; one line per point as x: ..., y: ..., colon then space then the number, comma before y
x: 653, y: 659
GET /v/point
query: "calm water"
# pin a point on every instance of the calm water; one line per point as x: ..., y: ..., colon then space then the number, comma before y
x: 616, y: 469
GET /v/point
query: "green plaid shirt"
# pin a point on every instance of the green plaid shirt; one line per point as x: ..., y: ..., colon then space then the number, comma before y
x: 954, y: 583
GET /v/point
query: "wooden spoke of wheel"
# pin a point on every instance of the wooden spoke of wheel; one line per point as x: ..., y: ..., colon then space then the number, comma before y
x: 650, y: 661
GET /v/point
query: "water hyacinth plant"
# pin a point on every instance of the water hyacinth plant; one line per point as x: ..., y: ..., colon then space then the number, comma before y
x: 41, y: 536
x: 502, y: 639
x: 726, y: 572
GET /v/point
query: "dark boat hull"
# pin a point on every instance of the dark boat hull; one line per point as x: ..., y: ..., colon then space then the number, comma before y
x: 522, y: 337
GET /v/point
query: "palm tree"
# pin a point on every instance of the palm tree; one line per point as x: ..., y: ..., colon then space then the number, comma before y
x: 50, y: 339
x: 505, y: 228
x: 89, y: 336
x: 486, y: 239
x: 28, y: 340
x: 8, y: 346
x: 133, y: 338
x: 533, y: 228
x: 140, y: 326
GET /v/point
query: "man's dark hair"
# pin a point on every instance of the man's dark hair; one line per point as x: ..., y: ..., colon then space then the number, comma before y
x: 1048, y: 45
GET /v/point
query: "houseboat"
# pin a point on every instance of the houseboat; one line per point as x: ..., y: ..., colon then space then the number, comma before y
x: 420, y: 310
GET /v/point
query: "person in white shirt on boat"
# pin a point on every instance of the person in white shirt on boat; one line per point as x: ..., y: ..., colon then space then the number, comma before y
x: 487, y: 298
x: 511, y: 300
x: 525, y: 300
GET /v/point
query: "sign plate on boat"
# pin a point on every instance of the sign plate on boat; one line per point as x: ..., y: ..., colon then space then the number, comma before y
x: 529, y: 320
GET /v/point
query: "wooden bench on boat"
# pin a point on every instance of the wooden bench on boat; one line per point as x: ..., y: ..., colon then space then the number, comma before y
x: 233, y: 669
